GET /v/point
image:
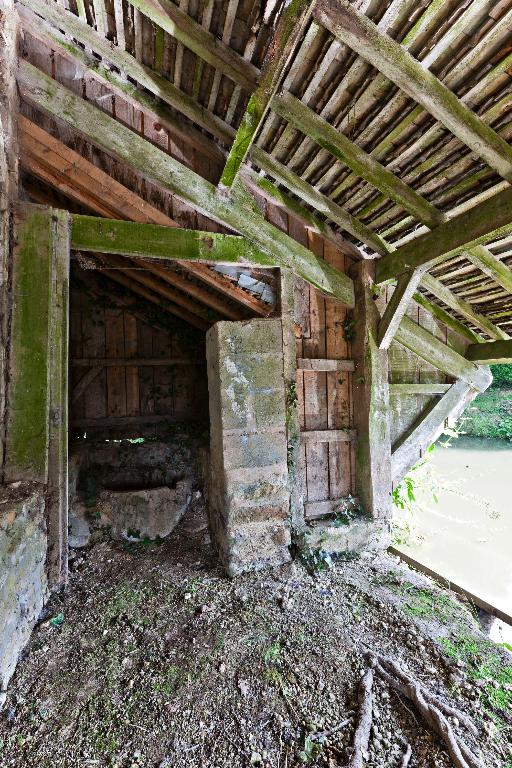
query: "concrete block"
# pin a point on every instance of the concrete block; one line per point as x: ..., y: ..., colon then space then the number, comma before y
x: 23, y: 579
x: 358, y: 536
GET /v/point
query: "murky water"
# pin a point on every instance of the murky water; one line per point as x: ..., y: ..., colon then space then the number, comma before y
x: 467, y: 535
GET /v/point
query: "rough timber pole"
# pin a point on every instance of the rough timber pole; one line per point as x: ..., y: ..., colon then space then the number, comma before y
x: 8, y: 181
x: 371, y: 400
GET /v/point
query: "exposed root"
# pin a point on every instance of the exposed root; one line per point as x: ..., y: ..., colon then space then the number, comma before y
x: 430, y: 708
x: 362, y: 733
x: 407, y: 756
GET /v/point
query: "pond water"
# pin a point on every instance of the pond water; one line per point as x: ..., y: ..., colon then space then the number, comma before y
x: 467, y: 535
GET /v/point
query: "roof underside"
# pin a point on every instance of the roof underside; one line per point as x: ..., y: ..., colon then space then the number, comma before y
x: 325, y: 85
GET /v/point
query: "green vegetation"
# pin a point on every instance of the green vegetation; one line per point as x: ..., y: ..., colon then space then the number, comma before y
x: 424, y: 603
x: 485, y: 663
x: 490, y: 414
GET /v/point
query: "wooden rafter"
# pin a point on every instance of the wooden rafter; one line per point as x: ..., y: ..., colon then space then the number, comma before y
x: 108, y: 134
x: 356, y: 30
x: 442, y: 356
x: 397, y: 306
x: 481, y: 224
x: 192, y: 35
x: 282, y: 47
x: 493, y: 352
x: 61, y: 167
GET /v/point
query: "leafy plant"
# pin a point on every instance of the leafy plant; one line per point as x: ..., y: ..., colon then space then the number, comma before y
x: 347, y: 510
x: 349, y: 330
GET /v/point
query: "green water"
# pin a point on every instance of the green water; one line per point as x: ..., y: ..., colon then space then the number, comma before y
x: 467, y: 535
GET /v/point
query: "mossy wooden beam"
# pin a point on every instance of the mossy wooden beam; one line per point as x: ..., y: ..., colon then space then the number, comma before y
x: 371, y: 393
x: 318, y: 201
x: 182, y: 27
x: 462, y: 307
x: 357, y: 31
x: 129, y: 238
x: 289, y: 31
x: 490, y: 353
x: 430, y: 424
x: 348, y: 153
x: 278, y: 249
x: 440, y: 355
x: 482, y: 258
x: 444, y: 317
x: 397, y: 306
x: 484, y: 222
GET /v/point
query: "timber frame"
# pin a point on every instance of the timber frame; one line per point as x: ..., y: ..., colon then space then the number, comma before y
x: 336, y: 145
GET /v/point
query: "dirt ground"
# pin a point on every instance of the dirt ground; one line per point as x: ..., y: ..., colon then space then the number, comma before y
x: 153, y: 658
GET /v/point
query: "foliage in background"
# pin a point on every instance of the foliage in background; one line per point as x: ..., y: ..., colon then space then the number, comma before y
x: 502, y: 376
x: 490, y: 415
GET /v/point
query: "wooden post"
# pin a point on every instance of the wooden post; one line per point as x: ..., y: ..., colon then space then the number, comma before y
x: 371, y: 400
x: 37, y: 419
x: 292, y: 415
x: 8, y: 183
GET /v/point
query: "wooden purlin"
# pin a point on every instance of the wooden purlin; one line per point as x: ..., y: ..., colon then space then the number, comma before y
x: 45, y: 156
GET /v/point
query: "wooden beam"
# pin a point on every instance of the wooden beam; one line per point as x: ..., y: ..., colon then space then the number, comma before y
x: 482, y: 258
x: 493, y: 352
x: 397, y: 306
x: 398, y: 390
x: 156, y: 298
x: 142, y: 240
x: 108, y: 134
x: 85, y: 382
x: 448, y: 320
x: 290, y: 28
x: 328, y: 436
x: 76, y: 177
x: 107, y: 362
x: 308, y: 364
x: 347, y: 152
x: 371, y: 393
x: 192, y: 35
x: 462, y: 307
x: 321, y: 203
x: 163, y: 91
x: 440, y: 355
x: 128, y: 421
x: 357, y: 31
x: 425, y: 431
x: 488, y: 220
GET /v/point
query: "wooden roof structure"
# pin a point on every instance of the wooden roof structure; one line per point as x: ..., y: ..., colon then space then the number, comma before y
x: 384, y: 125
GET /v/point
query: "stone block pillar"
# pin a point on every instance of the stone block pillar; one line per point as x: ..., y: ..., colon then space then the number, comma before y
x: 249, y: 495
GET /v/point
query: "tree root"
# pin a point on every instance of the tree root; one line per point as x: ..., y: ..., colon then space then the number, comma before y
x: 407, y: 756
x: 362, y: 734
x: 432, y: 710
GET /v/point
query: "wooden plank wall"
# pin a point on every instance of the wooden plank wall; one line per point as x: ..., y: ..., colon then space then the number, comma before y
x: 325, y: 399
x: 138, y: 400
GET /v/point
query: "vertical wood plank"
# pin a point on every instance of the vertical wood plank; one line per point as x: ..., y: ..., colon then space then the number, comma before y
x: 132, y: 372
x: 116, y: 375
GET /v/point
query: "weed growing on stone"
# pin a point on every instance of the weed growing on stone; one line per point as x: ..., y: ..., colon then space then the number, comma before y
x: 426, y: 604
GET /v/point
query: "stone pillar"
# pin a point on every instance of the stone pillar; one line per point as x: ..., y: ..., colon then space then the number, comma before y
x: 371, y: 400
x: 249, y: 498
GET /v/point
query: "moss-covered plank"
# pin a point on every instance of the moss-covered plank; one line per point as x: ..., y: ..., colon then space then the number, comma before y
x: 111, y: 136
x: 183, y: 28
x: 356, y: 30
x: 482, y: 258
x: 491, y: 353
x: 486, y: 221
x: 440, y: 355
x: 348, y: 153
x: 129, y: 238
x: 397, y: 306
x: 282, y: 46
x: 34, y: 338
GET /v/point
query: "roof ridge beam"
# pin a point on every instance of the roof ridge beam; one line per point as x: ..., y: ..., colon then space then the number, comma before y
x: 105, y: 132
x: 392, y: 60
